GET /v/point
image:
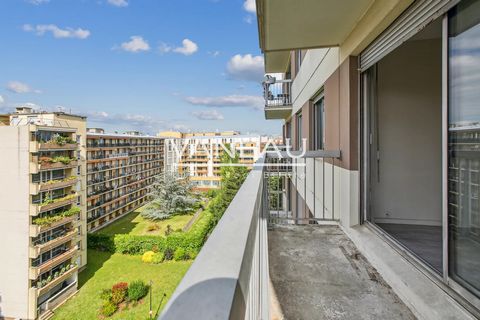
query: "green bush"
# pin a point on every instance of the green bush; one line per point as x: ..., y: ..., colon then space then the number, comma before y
x: 108, y: 308
x: 180, y: 254
x: 192, y: 254
x: 168, y: 255
x: 106, y: 294
x: 100, y: 242
x: 137, y: 290
x: 158, y: 258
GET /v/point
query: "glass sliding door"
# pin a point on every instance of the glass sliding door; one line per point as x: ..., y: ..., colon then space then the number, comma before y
x: 464, y: 145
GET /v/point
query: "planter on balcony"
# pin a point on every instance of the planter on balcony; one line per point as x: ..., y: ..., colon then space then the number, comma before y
x: 56, y: 165
x: 55, y: 146
x: 57, y: 184
x: 57, y: 280
x: 56, y: 204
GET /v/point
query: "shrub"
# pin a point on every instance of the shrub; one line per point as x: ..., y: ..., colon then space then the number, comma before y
x: 158, y: 258
x: 100, y: 242
x: 137, y: 290
x: 168, y: 254
x: 119, y: 292
x: 108, y: 308
x: 106, y: 294
x: 147, y: 257
x: 192, y: 254
x: 180, y: 254
x: 168, y: 231
x: 153, y: 227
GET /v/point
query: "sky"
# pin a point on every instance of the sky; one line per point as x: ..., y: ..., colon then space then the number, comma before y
x: 147, y: 65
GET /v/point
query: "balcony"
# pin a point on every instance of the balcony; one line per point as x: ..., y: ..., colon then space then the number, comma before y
x: 47, y: 146
x: 37, y: 271
x: 36, y: 209
x: 263, y: 261
x: 284, y: 25
x: 35, y: 230
x: 69, y: 273
x: 38, y: 187
x: 278, y: 98
x: 37, y: 249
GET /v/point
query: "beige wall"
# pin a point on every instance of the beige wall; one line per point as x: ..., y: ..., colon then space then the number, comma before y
x: 14, y: 221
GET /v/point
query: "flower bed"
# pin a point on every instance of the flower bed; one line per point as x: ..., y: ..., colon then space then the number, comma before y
x: 121, y: 296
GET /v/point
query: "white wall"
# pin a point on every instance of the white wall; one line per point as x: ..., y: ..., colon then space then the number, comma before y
x: 14, y: 221
x: 317, y: 66
x: 408, y: 188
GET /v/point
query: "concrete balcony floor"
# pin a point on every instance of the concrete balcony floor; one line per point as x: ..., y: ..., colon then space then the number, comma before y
x: 316, y: 272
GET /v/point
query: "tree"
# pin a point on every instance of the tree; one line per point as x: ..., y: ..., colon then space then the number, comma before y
x: 171, y: 196
x: 233, y: 175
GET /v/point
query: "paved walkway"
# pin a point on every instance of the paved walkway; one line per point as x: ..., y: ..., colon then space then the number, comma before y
x: 317, y: 273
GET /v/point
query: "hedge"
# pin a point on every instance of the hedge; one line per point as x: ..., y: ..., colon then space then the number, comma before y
x: 190, y: 241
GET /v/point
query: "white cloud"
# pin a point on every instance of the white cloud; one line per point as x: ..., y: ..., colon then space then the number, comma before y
x: 20, y: 87
x: 214, y: 54
x: 249, y: 6
x: 188, y: 47
x: 255, y: 102
x: 248, y: 19
x: 136, y: 44
x: 208, y: 115
x: 118, y: 3
x: 38, y: 2
x: 246, y: 67
x: 2, y: 100
x: 57, y: 32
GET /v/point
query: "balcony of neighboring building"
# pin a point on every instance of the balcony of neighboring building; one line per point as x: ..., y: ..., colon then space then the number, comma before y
x: 59, y: 255
x: 38, y: 186
x: 65, y: 218
x: 46, y: 201
x: 278, y: 98
x: 43, y: 286
x: 51, y: 239
x: 44, y: 163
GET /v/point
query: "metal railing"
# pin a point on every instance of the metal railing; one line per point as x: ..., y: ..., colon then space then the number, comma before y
x: 229, y: 277
x: 312, y: 174
x: 277, y: 93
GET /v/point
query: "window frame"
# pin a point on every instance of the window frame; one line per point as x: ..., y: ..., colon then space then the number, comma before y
x: 318, y: 129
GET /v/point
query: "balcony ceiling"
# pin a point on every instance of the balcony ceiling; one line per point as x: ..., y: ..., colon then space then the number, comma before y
x: 300, y: 24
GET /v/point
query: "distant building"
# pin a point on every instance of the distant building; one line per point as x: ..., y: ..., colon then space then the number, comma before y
x: 120, y: 171
x: 42, y: 210
x: 198, y: 154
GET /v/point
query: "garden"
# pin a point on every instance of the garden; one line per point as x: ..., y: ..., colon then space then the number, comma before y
x: 148, y: 251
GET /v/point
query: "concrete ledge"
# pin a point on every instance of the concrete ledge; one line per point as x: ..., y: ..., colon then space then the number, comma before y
x: 425, y: 298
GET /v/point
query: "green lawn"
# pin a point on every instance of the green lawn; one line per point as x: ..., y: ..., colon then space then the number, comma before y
x: 134, y: 223
x: 104, y: 269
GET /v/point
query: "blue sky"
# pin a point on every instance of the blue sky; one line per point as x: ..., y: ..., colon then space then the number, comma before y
x: 148, y: 65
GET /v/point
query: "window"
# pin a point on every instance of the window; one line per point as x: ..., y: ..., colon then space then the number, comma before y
x: 299, y: 132
x: 464, y: 159
x: 319, y: 124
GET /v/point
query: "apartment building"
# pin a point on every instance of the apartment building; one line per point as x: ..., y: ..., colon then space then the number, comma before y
x: 198, y: 154
x: 120, y: 171
x: 393, y: 88
x: 42, y: 210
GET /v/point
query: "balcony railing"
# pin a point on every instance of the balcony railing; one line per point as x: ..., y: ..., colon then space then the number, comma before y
x: 278, y: 93
x: 229, y: 278
x: 278, y: 98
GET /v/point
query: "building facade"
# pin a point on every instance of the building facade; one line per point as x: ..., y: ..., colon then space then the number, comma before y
x: 120, y: 171
x: 198, y: 155
x: 43, y: 211
x: 392, y: 87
